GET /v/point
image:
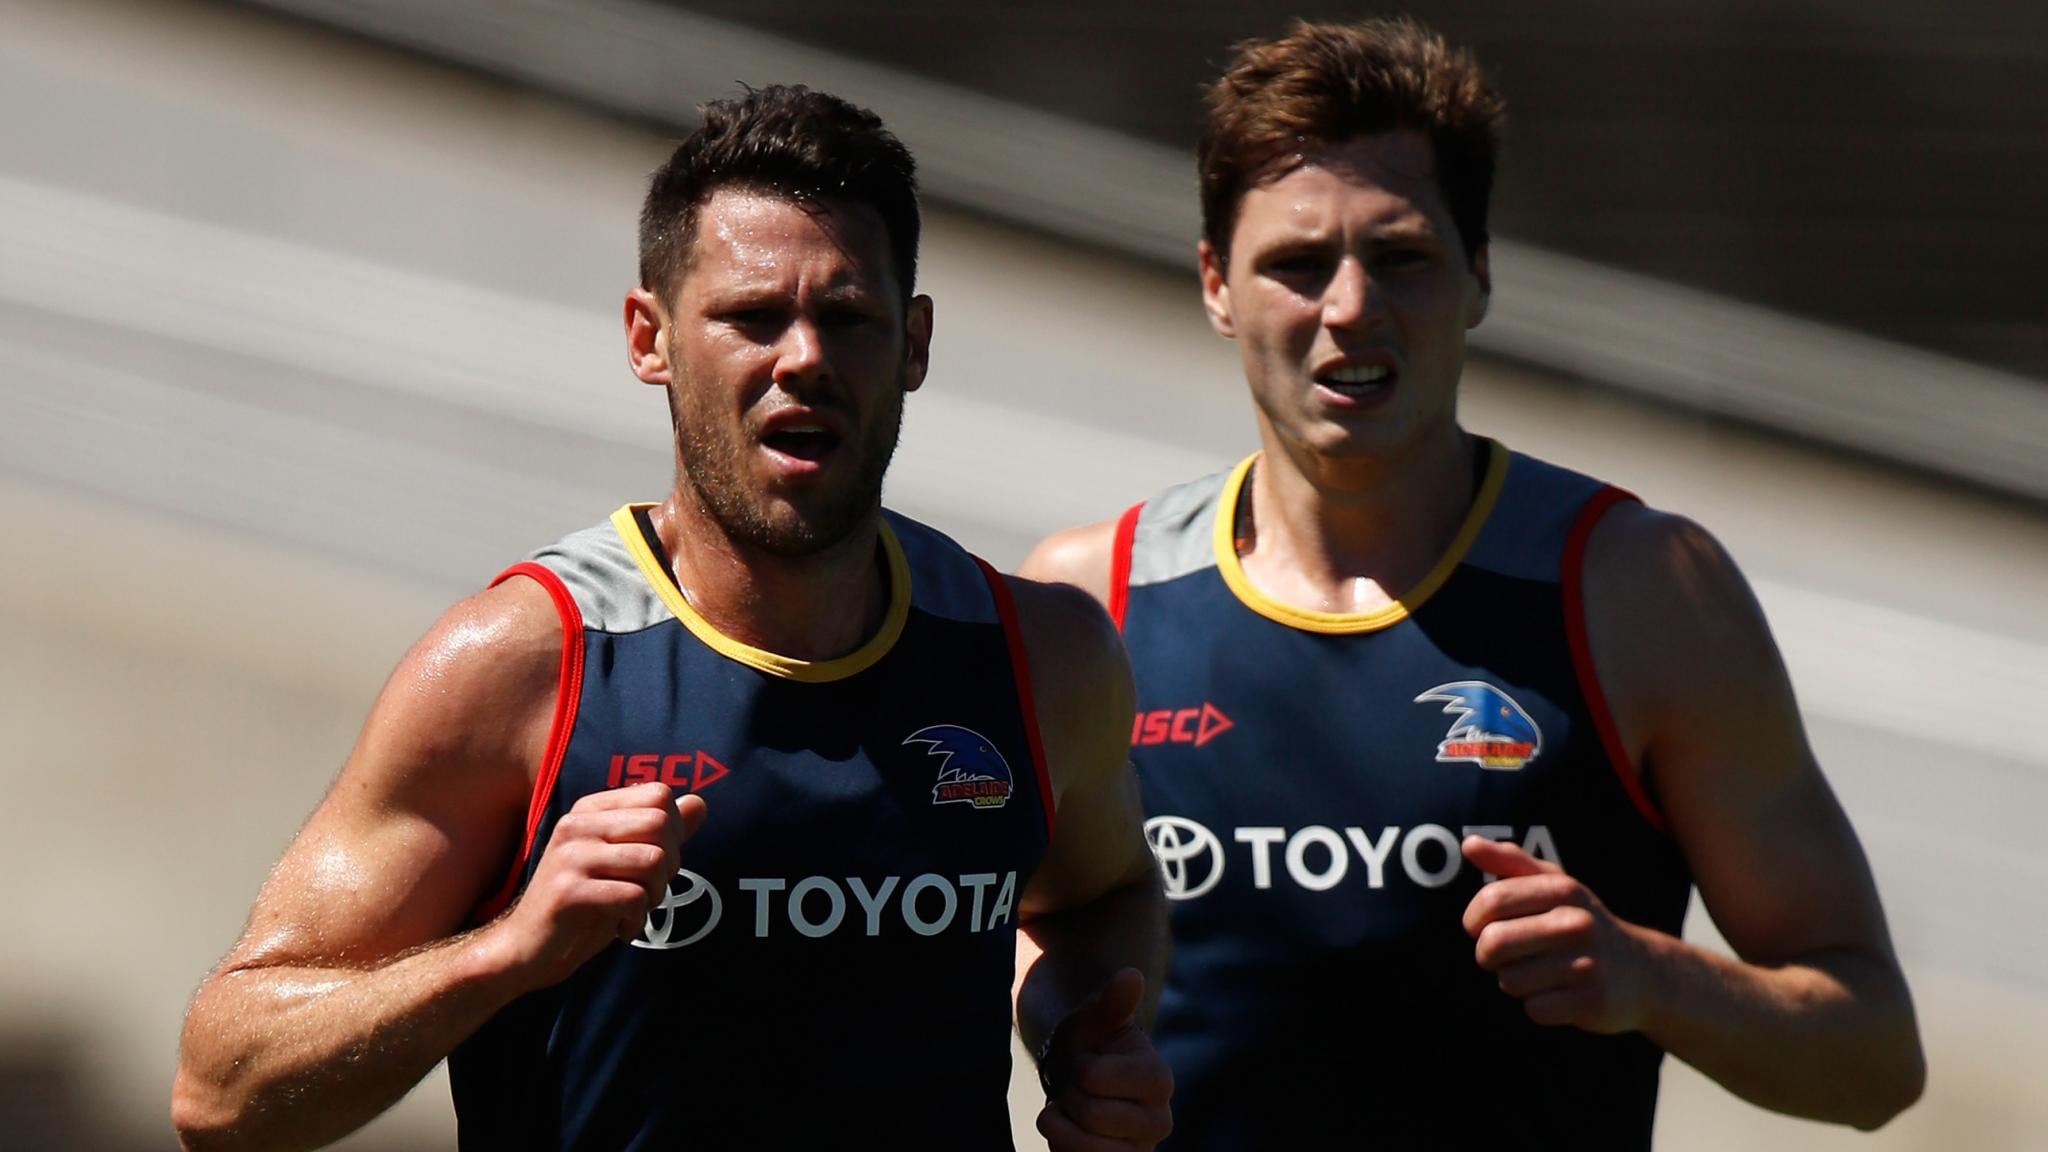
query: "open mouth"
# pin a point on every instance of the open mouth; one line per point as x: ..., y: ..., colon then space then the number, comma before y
x: 802, y: 442
x: 1357, y: 381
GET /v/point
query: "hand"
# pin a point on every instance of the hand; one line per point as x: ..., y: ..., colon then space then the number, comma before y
x: 1554, y: 945
x: 606, y: 866
x: 1112, y: 1090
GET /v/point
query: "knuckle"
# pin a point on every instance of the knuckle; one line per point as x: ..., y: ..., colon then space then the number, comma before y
x: 1575, y: 922
x: 1089, y: 1113
x: 1491, y: 941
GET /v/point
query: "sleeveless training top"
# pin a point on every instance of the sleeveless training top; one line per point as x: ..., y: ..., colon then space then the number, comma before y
x: 835, y: 956
x: 1308, y: 777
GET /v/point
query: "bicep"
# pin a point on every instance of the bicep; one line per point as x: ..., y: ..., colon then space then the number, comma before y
x: 427, y: 813
x: 1083, y: 692
x: 1098, y: 845
x: 1703, y: 690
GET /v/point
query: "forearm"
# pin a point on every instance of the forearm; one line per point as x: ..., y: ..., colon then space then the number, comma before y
x: 1078, y: 949
x: 1831, y: 1037
x: 283, y: 1057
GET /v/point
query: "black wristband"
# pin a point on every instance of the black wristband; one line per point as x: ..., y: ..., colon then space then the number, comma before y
x: 1054, y: 1059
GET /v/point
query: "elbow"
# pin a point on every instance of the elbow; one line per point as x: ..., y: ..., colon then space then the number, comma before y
x: 199, y: 1120
x: 1893, y: 1090
x: 205, y: 1119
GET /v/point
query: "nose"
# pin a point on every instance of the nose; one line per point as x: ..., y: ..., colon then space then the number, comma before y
x: 1350, y: 299
x: 800, y: 355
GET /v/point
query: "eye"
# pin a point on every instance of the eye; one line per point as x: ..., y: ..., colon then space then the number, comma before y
x: 1297, y: 265
x: 1401, y: 258
x: 752, y: 317
x: 840, y: 319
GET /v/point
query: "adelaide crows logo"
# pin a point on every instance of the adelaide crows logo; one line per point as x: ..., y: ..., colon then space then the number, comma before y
x: 971, y: 771
x: 1491, y: 730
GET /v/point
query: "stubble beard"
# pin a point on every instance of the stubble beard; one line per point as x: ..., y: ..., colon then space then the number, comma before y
x: 711, y: 466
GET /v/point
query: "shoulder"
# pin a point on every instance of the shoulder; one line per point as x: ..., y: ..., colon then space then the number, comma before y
x: 478, y: 688
x: 1080, y: 678
x: 1649, y: 569
x: 1070, y: 627
x: 1081, y: 557
x: 1677, y: 636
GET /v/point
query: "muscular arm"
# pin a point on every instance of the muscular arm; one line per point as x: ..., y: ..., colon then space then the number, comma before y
x: 1814, y: 1019
x: 353, y: 977
x: 1095, y: 905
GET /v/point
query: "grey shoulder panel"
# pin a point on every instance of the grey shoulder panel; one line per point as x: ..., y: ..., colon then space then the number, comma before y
x: 609, y: 588
x: 945, y: 581
x: 1175, y: 532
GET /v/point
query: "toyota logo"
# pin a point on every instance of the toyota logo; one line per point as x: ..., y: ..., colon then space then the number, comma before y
x: 670, y: 915
x: 1190, y: 857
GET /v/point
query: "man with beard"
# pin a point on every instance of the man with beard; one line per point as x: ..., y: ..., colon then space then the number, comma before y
x: 1384, y: 661
x: 714, y: 825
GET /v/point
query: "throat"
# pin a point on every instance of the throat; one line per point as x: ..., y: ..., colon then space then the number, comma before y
x: 811, y: 609
x: 1337, y: 551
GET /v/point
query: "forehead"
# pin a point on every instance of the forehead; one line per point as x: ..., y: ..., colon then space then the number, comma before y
x: 1374, y: 181
x: 751, y: 237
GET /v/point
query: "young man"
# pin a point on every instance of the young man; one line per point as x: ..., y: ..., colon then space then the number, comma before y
x: 890, y: 759
x: 1383, y: 660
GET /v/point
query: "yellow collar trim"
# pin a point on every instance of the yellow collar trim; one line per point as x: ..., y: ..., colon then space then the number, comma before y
x: 658, y: 577
x: 1338, y: 623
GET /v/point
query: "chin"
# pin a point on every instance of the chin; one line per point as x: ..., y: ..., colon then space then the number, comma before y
x: 788, y: 529
x: 1345, y: 439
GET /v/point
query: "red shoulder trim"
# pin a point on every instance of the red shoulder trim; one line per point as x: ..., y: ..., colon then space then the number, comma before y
x: 568, y: 692
x: 1120, y: 563
x: 1020, y: 670
x: 1582, y: 651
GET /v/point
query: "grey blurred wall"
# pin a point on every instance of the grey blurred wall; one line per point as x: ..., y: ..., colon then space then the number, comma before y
x: 301, y: 339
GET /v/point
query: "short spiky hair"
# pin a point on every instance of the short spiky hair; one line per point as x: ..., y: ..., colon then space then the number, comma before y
x: 787, y: 140
x: 1322, y: 84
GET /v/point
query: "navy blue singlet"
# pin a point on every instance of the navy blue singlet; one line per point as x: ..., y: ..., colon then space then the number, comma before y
x: 835, y: 956
x: 1308, y: 777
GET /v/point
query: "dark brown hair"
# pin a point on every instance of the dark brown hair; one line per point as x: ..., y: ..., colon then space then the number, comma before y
x: 1322, y: 84
x: 786, y: 140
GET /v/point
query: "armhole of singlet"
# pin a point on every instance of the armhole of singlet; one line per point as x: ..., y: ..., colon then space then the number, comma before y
x: 1020, y: 670
x: 1582, y: 652
x: 1120, y: 563
x: 568, y: 692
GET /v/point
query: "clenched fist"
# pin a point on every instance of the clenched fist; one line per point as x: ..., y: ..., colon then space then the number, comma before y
x: 1111, y: 1088
x: 605, y: 867
x: 1553, y: 945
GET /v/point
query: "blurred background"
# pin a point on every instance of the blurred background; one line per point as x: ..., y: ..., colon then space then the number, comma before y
x: 308, y: 325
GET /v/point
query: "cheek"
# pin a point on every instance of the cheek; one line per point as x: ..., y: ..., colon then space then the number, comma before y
x: 1276, y: 323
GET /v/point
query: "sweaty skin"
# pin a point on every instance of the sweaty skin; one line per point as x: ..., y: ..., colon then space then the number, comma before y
x: 1350, y: 260
x: 360, y: 967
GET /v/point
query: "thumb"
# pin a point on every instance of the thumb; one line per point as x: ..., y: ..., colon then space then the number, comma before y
x: 1112, y: 1009
x: 690, y: 807
x: 1502, y: 858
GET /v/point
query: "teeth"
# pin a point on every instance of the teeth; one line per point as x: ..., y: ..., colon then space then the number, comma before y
x: 1358, y: 374
x: 805, y: 428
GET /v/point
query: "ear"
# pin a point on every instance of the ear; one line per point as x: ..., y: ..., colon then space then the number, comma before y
x: 1215, y: 290
x: 917, y: 332
x: 1482, y: 273
x: 646, y: 344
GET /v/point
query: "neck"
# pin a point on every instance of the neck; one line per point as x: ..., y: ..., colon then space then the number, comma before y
x: 819, y: 606
x: 1353, y: 534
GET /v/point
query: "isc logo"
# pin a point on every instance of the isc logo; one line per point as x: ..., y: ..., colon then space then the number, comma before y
x: 1195, y: 726
x: 684, y: 771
